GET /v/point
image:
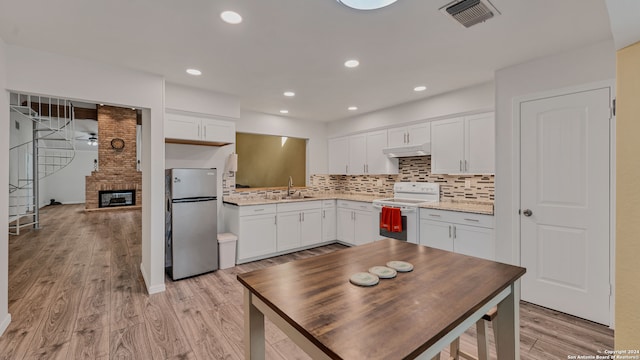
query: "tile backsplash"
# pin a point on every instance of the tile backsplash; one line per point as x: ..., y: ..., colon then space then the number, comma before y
x: 417, y: 168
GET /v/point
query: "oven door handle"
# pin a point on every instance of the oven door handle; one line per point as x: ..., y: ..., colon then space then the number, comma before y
x: 402, y: 208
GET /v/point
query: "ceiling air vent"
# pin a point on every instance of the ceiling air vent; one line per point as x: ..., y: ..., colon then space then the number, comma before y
x: 470, y: 12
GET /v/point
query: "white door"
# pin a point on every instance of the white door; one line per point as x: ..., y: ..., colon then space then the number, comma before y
x: 364, y: 230
x: 447, y: 146
x: 338, y: 155
x: 329, y: 224
x: 289, y: 230
x: 257, y: 236
x: 357, y: 154
x: 397, y: 136
x: 345, y: 227
x: 436, y: 234
x: 479, y: 157
x: 473, y: 241
x: 311, y: 227
x: 565, y: 203
x: 377, y: 162
x: 419, y: 133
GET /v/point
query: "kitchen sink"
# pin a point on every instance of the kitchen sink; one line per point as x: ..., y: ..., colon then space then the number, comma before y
x: 290, y: 197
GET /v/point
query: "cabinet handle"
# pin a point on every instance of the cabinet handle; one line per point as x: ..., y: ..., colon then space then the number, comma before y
x: 275, y: 219
x: 198, y: 130
x: 303, y: 217
x: 460, y: 165
x: 408, y: 138
x: 299, y: 217
x: 204, y: 131
x: 466, y: 168
x: 364, y: 168
x: 454, y: 231
x: 474, y: 220
x: 346, y: 169
x: 404, y: 138
x: 324, y: 214
x: 435, y: 215
x: 449, y: 230
x: 256, y: 210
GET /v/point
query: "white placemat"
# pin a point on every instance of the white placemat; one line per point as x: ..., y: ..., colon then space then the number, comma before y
x: 401, y: 266
x: 383, y: 272
x: 364, y: 279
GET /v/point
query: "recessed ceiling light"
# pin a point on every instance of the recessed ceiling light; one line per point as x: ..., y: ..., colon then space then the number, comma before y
x: 367, y: 4
x: 194, y: 72
x: 289, y: 93
x: 231, y: 17
x: 351, y: 63
x: 420, y: 88
x: 352, y: 108
x: 283, y: 111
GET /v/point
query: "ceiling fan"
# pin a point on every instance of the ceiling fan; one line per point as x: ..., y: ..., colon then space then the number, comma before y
x: 91, y: 140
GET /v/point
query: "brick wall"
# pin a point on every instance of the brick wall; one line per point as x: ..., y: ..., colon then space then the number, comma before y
x: 117, y: 169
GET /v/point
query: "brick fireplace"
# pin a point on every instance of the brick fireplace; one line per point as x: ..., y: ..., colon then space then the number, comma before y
x: 117, y: 164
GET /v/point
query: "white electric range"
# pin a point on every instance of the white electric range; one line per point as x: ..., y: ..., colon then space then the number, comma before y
x: 407, y: 196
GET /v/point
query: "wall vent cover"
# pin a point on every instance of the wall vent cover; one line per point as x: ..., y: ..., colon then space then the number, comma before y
x: 470, y: 12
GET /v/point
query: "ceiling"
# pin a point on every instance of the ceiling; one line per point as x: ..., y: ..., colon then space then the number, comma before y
x: 301, y: 45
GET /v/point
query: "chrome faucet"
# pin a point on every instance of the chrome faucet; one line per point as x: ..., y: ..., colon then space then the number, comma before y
x: 289, y: 185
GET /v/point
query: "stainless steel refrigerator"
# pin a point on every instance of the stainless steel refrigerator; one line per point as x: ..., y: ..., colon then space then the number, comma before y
x: 191, y: 222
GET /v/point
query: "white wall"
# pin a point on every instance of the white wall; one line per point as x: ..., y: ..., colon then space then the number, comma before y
x: 204, y: 103
x: 68, y: 184
x: 474, y: 99
x: 260, y: 123
x: 5, y: 123
x: 581, y: 66
x: 34, y: 71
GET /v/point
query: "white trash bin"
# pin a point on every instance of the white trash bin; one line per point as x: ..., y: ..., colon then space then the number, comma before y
x: 227, y: 250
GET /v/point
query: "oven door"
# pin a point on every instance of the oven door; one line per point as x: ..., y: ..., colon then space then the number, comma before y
x: 404, y: 234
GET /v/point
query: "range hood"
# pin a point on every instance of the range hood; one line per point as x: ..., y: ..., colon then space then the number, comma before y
x: 408, y: 150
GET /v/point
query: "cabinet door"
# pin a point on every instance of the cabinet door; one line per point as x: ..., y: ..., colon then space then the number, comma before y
x: 480, y: 144
x: 345, y: 227
x: 288, y: 230
x: 419, y: 133
x: 329, y: 224
x: 474, y: 241
x: 377, y: 162
x: 257, y: 236
x: 338, y: 155
x: 218, y: 131
x: 357, y: 154
x: 447, y: 146
x: 364, y: 229
x: 436, y: 234
x: 311, y: 227
x: 397, y: 136
x: 182, y: 127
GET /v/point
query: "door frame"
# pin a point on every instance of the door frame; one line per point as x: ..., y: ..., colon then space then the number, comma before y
x: 516, y: 178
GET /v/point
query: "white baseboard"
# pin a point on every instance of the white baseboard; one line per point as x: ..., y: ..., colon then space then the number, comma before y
x: 151, y: 289
x: 5, y: 323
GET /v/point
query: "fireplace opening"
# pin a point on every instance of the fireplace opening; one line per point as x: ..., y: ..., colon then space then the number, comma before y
x: 111, y: 198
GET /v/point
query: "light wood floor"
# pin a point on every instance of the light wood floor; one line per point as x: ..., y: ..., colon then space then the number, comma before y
x: 75, y: 292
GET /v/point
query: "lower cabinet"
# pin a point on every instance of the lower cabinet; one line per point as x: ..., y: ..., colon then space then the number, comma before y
x: 299, y: 224
x: 255, y: 227
x: 329, y: 218
x: 463, y: 233
x: 355, y: 222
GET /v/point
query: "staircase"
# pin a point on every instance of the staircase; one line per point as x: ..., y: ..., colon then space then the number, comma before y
x: 42, y: 143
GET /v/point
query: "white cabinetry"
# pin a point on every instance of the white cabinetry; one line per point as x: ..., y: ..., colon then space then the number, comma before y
x: 192, y: 129
x: 463, y: 145
x: 338, y: 155
x: 299, y: 224
x: 361, y: 154
x: 256, y: 230
x: 463, y: 233
x: 329, y: 220
x: 355, y: 222
x: 410, y: 135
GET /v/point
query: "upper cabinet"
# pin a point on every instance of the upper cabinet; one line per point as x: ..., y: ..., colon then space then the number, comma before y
x: 361, y: 154
x: 410, y: 135
x: 184, y: 128
x: 463, y: 145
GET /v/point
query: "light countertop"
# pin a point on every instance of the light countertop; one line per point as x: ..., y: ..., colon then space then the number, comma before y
x: 470, y: 206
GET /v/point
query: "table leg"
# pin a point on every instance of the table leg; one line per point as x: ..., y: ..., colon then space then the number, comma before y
x: 253, y: 329
x: 508, y: 325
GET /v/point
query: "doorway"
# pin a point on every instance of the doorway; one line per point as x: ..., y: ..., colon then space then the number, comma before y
x: 565, y: 222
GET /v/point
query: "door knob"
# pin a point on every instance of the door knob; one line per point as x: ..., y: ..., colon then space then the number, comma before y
x: 527, y: 212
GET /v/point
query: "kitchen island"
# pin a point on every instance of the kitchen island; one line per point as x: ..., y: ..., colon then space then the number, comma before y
x: 414, y: 315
